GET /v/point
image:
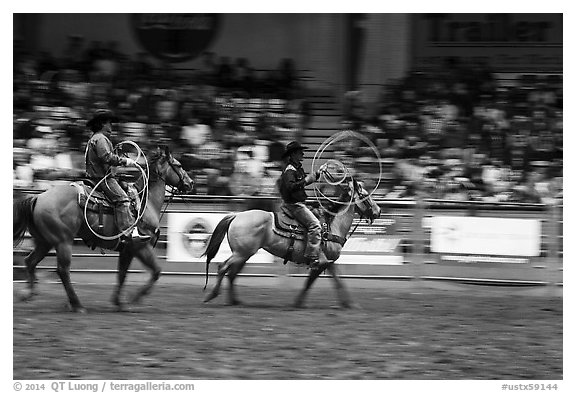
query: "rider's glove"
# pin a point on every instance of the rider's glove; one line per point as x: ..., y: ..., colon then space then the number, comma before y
x: 131, y: 162
x: 321, y: 170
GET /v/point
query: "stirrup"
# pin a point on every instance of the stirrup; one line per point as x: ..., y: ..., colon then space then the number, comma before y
x: 313, y: 262
x: 137, y: 236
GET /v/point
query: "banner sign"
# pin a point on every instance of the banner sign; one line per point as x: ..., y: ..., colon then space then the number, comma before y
x: 472, y: 259
x: 176, y: 37
x: 506, y: 42
x: 374, y: 244
x: 188, y: 235
x: 485, y: 236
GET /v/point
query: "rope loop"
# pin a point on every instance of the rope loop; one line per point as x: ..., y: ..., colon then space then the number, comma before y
x: 143, y: 175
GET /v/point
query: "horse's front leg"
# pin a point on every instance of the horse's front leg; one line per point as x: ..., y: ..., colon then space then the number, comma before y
x: 64, y: 259
x: 343, y: 295
x: 148, y: 259
x: 312, y: 276
x: 124, y: 261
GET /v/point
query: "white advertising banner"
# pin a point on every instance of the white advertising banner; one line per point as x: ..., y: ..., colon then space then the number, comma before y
x: 188, y: 236
x: 485, y: 235
x: 367, y: 259
x: 371, y: 250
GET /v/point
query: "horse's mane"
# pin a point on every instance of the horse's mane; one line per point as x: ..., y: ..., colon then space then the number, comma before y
x: 332, y: 208
x: 155, y: 156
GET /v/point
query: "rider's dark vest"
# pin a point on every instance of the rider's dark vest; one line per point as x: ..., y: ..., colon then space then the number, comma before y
x: 291, y: 184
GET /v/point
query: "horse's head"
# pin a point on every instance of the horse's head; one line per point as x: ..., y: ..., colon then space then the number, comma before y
x: 365, y: 205
x: 170, y: 170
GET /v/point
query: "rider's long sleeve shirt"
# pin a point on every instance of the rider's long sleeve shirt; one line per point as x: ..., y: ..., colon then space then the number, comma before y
x: 100, y: 156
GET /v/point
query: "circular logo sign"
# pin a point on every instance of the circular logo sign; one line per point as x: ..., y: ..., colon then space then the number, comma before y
x: 175, y: 37
x: 195, y: 236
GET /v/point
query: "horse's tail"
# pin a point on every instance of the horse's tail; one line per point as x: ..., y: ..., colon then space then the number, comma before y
x: 23, y: 210
x: 215, y: 241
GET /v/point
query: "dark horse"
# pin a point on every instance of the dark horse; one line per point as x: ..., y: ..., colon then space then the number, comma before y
x: 252, y: 230
x: 54, y: 218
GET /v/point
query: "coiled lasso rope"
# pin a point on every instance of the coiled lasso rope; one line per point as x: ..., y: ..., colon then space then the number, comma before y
x: 346, y: 173
x: 144, y: 174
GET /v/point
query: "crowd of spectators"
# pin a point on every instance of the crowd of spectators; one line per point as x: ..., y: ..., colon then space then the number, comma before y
x: 461, y: 134
x: 225, y: 121
x: 456, y: 134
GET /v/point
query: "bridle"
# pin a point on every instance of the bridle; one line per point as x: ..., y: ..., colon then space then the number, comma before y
x: 360, y: 211
x: 179, y: 186
x: 176, y: 169
x: 358, y: 193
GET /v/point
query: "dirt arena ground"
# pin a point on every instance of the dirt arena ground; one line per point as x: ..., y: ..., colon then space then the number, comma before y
x: 397, y: 335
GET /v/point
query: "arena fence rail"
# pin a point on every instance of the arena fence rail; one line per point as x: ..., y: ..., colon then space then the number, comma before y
x: 418, y: 242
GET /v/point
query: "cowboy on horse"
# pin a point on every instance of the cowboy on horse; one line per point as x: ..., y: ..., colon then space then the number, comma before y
x: 291, y: 186
x: 100, y: 157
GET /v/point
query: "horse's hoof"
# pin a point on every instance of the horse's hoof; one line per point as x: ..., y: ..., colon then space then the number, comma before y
x: 298, y: 305
x: 351, y: 306
x: 122, y: 308
x: 136, y: 299
x: 235, y: 303
x: 79, y: 310
x: 76, y: 308
x: 26, y: 297
x: 209, y: 297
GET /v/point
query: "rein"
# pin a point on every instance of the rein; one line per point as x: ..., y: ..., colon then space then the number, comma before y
x: 356, y: 226
x: 166, y: 204
x: 358, y: 223
x: 172, y: 193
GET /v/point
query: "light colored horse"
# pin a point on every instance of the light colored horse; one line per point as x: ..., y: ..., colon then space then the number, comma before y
x: 252, y: 230
x: 54, y: 218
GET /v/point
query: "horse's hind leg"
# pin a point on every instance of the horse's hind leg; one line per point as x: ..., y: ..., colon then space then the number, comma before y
x: 222, y: 269
x: 32, y: 260
x: 148, y: 258
x: 232, y: 266
x: 233, y: 271
x: 124, y: 261
x: 64, y: 258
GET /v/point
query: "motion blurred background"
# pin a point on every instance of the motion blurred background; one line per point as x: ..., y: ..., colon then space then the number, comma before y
x: 460, y: 106
x: 464, y: 118
x: 463, y: 111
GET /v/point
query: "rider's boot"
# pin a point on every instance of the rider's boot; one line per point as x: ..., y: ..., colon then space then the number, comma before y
x: 312, y: 252
x: 138, y: 236
x: 124, y: 220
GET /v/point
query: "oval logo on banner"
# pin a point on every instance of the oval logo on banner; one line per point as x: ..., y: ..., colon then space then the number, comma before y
x: 175, y: 37
x: 195, y: 236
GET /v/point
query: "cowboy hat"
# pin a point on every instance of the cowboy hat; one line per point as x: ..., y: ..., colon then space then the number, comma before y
x: 292, y: 147
x: 101, y: 115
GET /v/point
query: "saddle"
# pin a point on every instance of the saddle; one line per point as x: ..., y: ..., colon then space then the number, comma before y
x: 98, y: 202
x: 286, y: 225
